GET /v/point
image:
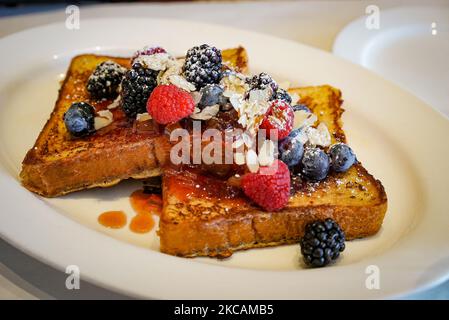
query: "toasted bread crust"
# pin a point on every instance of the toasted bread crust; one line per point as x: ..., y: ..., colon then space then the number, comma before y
x: 58, y: 164
x: 259, y: 229
x: 219, y: 227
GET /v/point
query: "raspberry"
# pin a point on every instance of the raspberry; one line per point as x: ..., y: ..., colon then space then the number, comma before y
x: 279, y: 117
x: 147, y: 51
x: 270, y: 187
x: 169, y: 104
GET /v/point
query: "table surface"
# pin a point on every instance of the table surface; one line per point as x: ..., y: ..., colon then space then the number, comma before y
x: 315, y: 23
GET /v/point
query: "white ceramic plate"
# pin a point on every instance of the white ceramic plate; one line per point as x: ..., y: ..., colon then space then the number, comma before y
x: 399, y: 139
x: 410, y: 48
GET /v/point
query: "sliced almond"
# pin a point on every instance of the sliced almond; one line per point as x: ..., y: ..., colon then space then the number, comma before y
x: 143, y: 117
x: 207, y: 113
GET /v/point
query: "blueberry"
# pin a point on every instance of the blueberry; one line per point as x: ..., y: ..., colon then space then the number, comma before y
x: 281, y: 94
x: 299, y: 107
x: 211, y: 94
x: 291, y: 149
x: 79, y: 119
x: 315, y: 164
x: 342, y: 157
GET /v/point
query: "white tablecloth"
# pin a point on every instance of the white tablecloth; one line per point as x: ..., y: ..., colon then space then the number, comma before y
x: 315, y: 23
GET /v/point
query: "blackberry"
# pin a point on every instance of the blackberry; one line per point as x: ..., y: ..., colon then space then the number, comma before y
x: 147, y: 51
x: 281, y: 94
x: 80, y: 119
x: 137, y: 86
x: 322, y: 243
x: 261, y: 81
x: 105, y: 80
x: 203, y: 65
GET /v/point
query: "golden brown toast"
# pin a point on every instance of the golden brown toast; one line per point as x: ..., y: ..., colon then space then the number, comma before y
x: 204, y: 216
x: 58, y: 164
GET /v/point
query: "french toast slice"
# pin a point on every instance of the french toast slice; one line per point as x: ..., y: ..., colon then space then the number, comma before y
x: 205, y: 216
x: 58, y: 164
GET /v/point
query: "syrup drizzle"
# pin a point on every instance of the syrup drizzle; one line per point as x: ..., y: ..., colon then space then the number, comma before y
x: 145, y: 206
x: 112, y: 219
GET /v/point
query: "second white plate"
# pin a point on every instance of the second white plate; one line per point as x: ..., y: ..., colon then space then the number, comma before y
x: 411, y: 48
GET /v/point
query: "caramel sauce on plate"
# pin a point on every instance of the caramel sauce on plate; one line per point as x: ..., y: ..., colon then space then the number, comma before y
x: 145, y: 205
x: 112, y: 219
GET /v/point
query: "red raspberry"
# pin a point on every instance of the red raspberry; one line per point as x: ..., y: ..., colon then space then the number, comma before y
x: 169, y: 104
x: 270, y: 187
x: 147, y: 51
x: 280, y: 117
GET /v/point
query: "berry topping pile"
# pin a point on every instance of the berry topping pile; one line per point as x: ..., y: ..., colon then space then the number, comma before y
x: 169, y: 104
x: 269, y: 187
x: 203, y: 65
x: 137, y: 86
x: 104, y: 82
x: 280, y: 118
x: 79, y: 119
x: 322, y: 243
x: 167, y: 90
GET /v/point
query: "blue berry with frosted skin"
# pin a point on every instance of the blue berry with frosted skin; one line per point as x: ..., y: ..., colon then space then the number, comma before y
x: 342, y: 157
x: 291, y: 149
x: 281, y: 94
x: 315, y: 164
x: 79, y: 119
x: 211, y: 94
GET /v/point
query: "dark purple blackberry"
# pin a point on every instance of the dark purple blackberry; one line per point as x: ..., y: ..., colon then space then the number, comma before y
x: 203, y: 65
x: 281, y: 94
x: 105, y: 80
x: 137, y: 86
x: 261, y: 81
x: 322, y: 243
